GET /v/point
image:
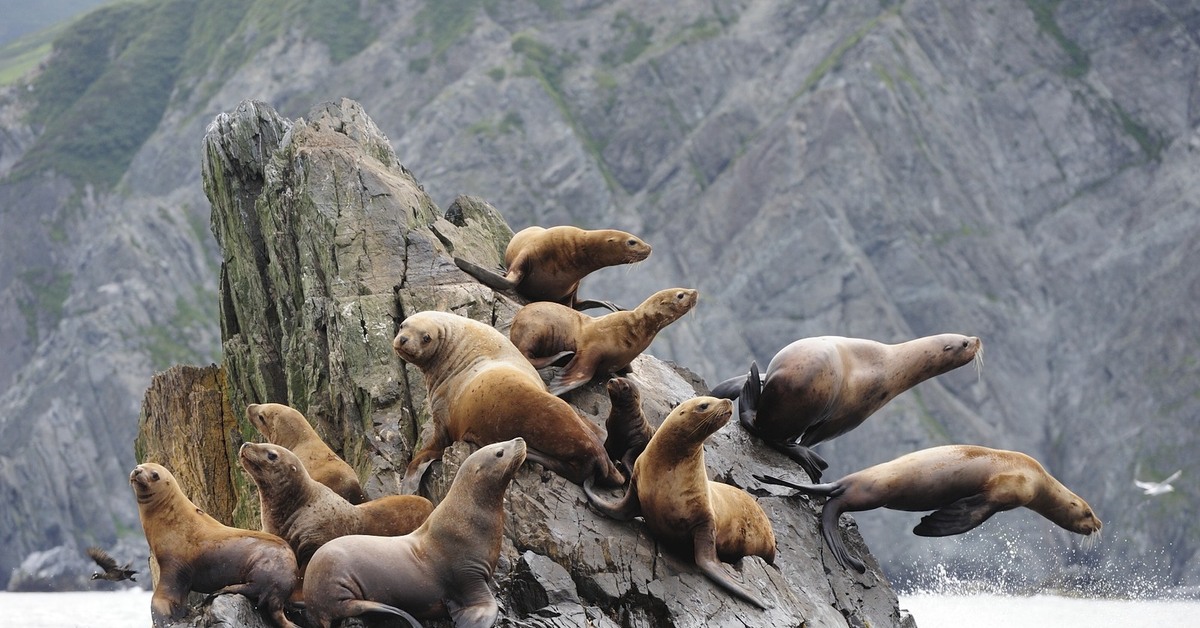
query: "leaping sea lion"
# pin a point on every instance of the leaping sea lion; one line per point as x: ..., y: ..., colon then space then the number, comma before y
x: 962, y: 484
x: 545, y: 332
x: 440, y: 570
x: 198, y: 553
x: 820, y: 388
x: 685, y: 510
x: 482, y: 390
x: 286, y: 427
x: 548, y: 264
x: 308, y: 514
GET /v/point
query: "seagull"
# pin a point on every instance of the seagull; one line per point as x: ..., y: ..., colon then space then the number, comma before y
x: 111, y: 570
x: 1158, y: 488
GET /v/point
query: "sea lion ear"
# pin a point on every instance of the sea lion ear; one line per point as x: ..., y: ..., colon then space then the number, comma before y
x: 294, y: 469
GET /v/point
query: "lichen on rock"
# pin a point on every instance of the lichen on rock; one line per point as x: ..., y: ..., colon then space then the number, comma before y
x: 329, y: 242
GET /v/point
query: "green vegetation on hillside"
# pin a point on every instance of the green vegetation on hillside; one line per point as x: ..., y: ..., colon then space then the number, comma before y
x: 1043, y: 14
x: 17, y: 58
x: 105, y: 88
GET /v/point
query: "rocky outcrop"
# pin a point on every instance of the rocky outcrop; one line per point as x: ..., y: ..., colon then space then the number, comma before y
x: 329, y: 242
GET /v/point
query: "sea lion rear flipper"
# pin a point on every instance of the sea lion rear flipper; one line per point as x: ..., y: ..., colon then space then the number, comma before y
x: 592, y: 304
x: 354, y: 608
x: 624, y: 509
x: 730, y: 388
x: 748, y: 399
x: 704, y: 541
x: 956, y: 518
x: 485, y: 276
x: 411, y: 483
x: 832, y: 489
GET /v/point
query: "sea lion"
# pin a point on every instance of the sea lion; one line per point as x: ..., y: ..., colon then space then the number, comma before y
x: 820, y: 388
x: 482, y: 390
x: 545, y: 332
x: 962, y: 484
x: 548, y: 264
x: 683, y: 508
x: 440, y: 570
x: 308, y: 514
x: 286, y: 427
x: 198, y: 553
x: 628, y: 430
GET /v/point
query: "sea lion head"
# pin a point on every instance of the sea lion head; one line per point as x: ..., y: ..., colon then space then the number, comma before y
x: 673, y: 302
x: 279, y: 424
x: 620, y: 247
x: 151, y: 482
x: 945, y: 352
x: 699, y: 417
x: 419, y: 337
x: 1077, y: 516
x: 622, y: 391
x: 269, y: 464
x: 495, y: 464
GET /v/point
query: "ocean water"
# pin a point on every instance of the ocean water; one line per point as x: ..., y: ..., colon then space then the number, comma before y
x: 125, y: 609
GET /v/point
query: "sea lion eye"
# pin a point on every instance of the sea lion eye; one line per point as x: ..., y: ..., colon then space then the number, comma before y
x: 679, y: 295
x: 704, y: 406
x: 272, y: 455
x: 425, y: 339
x: 154, y: 475
x: 632, y: 242
x: 965, y: 343
x: 499, y: 453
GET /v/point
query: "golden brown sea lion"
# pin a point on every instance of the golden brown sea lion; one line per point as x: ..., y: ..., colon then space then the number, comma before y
x: 286, y: 427
x: 548, y: 264
x: 683, y: 508
x: 482, y: 390
x: 963, y: 484
x: 820, y: 388
x: 308, y: 514
x: 545, y: 332
x: 440, y: 570
x: 198, y: 553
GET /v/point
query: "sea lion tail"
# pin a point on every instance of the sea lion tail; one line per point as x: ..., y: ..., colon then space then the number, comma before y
x: 623, y: 509
x: 484, y: 276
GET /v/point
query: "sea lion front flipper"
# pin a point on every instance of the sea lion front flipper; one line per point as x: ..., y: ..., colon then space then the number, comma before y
x: 476, y: 607
x: 830, y: 513
x: 576, y: 373
x: 624, y: 509
x: 704, y: 542
x: 485, y: 276
x: 592, y: 304
x: 833, y: 489
x: 809, y: 460
x: 956, y: 518
x: 355, y: 608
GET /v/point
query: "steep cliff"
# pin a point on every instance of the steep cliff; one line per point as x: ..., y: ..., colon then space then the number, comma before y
x: 328, y: 243
x: 1021, y: 171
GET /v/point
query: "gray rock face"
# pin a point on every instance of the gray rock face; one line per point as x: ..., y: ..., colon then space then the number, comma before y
x: 329, y: 242
x: 1023, y: 173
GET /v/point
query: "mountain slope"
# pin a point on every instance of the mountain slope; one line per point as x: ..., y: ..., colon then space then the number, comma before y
x: 1021, y: 173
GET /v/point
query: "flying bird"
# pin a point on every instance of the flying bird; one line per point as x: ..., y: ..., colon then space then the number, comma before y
x: 1158, y: 488
x: 111, y: 570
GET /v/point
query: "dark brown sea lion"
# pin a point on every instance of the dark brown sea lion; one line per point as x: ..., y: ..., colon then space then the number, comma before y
x: 548, y: 264
x: 308, y: 514
x: 286, y: 427
x: 440, y: 570
x: 198, y: 553
x: 820, y: 388
x: 482, y: 390
x: 683, y: 508
x: 962, y: 484
x: 628, y: 430
x: 545, y: 332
